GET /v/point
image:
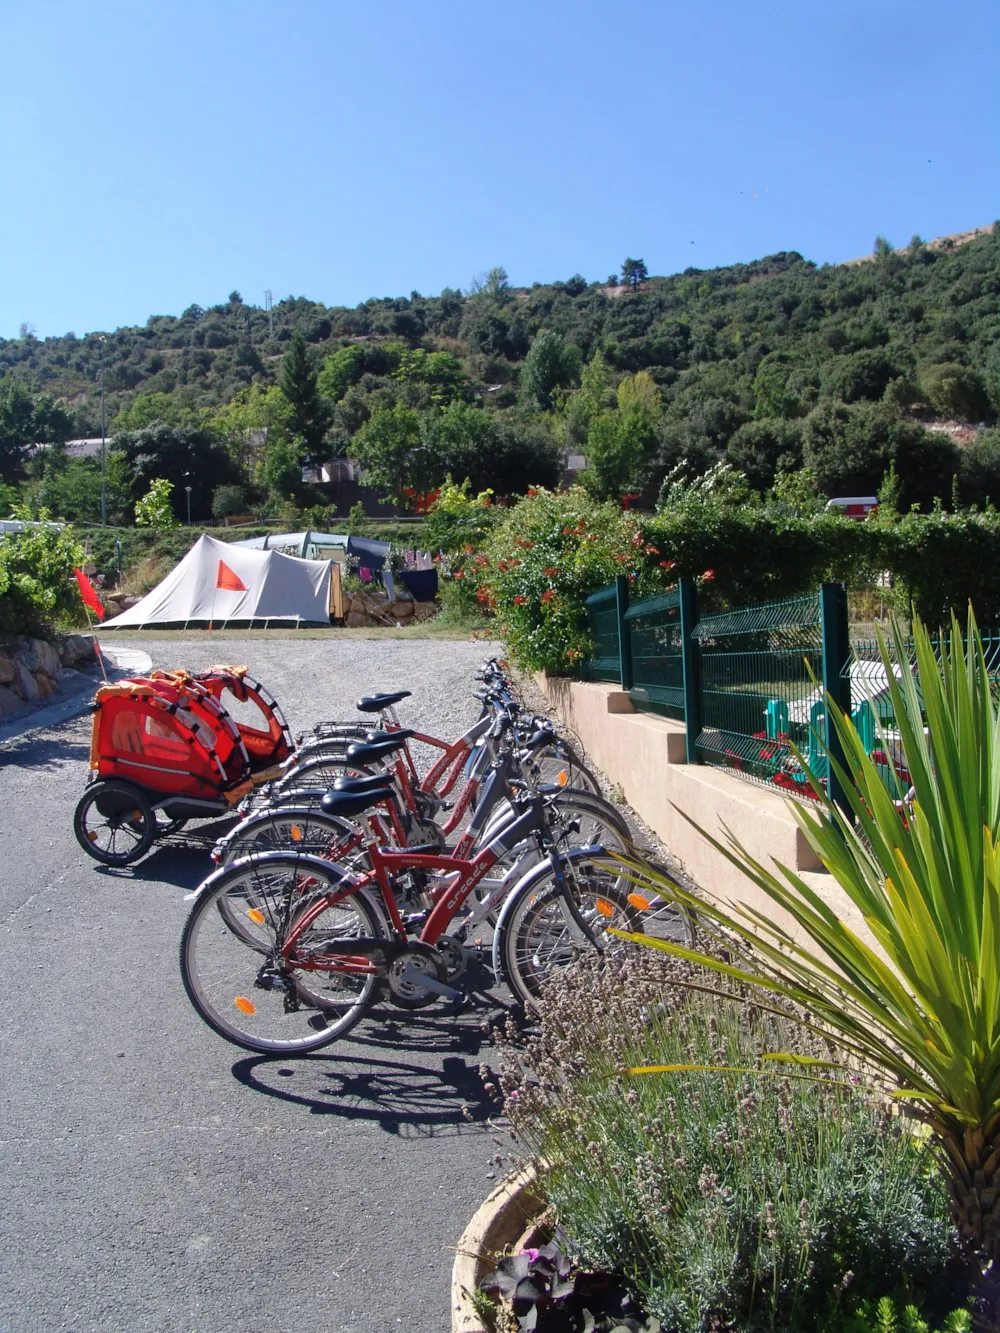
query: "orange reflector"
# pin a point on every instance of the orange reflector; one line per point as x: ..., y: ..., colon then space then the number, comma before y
x: 244, y: 1005
x: 562, y: 777
x: 92, y: 836
x: 295, y: 833
x: 257, y: 916
x: 637, y: 901
x: 604, y: 907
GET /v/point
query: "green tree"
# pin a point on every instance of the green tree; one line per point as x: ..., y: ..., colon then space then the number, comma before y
x: 956, y: 391
x: 255, y: 419
x: 634, y: 273
x: 146, y: 409
x: 36, y: 576
x: 181, y: 455
x: 864, y: 374
x: 17, y: 427
x: 228, y: 500
x: 551, y: 364
x: 311, y: 415
x: 390, y: 451
x: 155, y: 509
x: 341, y: 369
x: 762, y: 449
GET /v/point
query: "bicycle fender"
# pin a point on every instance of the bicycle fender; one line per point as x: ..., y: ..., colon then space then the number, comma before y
x: 327, y: 868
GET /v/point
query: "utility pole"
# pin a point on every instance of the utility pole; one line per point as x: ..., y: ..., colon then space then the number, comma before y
x: 270, y: 313
x: 104, y: 487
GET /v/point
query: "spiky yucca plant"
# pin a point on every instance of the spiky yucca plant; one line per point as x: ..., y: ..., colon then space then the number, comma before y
x: 925, y: 1011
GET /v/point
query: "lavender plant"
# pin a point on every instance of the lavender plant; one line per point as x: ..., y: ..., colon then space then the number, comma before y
x: 746, y: 1198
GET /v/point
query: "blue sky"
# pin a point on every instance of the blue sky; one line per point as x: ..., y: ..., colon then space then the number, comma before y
x: 158, y: 155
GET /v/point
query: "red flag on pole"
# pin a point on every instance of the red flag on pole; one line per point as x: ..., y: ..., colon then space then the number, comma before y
x: 89, y: 594
x: 229, y: 581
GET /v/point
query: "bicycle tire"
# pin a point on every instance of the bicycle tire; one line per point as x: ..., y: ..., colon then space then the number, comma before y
x: 114, y: 822
x: 549, y: 762
x: 230, y: 981
x: 318, y: 774
x: 537, y: 937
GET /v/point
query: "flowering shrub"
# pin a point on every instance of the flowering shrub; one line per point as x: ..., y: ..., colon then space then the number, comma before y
x: 543, y: 559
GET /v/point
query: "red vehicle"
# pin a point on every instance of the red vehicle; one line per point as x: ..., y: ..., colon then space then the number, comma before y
x: 164, y: 749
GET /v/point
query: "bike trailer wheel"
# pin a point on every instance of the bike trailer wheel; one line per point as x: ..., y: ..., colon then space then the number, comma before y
x: 114, y: 822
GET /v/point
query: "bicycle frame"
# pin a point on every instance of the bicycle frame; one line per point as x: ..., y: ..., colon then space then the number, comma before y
x: 467, y: 872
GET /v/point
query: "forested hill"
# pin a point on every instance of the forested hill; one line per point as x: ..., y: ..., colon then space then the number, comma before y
x: 915, y: 331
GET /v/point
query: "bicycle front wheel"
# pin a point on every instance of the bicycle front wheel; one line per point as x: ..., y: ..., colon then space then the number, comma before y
x: 239, y: 981
x: 541, y: 932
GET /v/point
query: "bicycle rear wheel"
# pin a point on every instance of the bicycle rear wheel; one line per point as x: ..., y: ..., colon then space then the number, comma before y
x: 238, y: 980
x: 559, y: 763
x: 539, y: 934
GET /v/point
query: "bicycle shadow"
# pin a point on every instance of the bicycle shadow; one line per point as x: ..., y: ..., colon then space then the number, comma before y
x: 404, y: 1098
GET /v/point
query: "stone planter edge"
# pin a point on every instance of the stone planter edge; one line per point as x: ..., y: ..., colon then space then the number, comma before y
x: 495, y: 1226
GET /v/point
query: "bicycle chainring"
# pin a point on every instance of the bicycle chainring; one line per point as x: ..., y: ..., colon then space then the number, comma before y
x: 422, y: 959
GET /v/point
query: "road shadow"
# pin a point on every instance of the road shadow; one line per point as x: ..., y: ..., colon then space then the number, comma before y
x: 47, y: 755
x: 369, y: 1078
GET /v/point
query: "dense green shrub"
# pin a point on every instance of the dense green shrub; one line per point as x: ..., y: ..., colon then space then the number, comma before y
x: 37, y: 587
x: 734, y: 1198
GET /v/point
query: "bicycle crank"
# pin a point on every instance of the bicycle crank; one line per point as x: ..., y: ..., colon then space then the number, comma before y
x: 417, y: 977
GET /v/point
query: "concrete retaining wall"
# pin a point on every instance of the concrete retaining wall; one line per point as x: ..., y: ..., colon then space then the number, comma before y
x: 645, y: 756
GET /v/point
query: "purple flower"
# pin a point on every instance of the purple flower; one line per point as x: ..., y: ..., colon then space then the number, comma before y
x: 530, y: 1254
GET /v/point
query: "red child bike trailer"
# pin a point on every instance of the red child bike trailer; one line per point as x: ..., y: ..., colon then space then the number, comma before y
x: 162, y: 750
x: 267, y: 743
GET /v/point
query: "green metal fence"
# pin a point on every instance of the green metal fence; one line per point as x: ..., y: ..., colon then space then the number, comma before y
x: 602, y: 615
x: 758, y: 699
x: 656, y: 653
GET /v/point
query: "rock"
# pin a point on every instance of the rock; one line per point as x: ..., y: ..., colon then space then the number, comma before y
x: 24, y: 682
x: 6, y: 669
x: 46, y: 657
x: 75, y: 648
x: 44, y: 683
x: 9, y: 702
x: 425, y: 610
x: 355, y: 619
x: 401, y: 610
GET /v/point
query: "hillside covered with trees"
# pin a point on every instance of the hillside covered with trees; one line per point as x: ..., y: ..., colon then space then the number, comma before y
x: 830, y: 375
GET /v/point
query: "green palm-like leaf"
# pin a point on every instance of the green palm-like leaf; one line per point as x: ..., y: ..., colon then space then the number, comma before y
x: 923, y: 1007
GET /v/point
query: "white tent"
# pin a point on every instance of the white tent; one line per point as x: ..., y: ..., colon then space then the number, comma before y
x: 218, y: 582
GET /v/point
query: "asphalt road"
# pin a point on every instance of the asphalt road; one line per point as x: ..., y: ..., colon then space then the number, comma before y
x: 153, y: 1177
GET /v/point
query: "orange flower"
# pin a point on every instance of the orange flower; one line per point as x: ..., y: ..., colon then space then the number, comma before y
x: 550, y: 571
x: 621, y: 559
x: 520, y: 599
x: 458, y: 574
x: 514, y: 560
x: 652, y: 550
x: 548, y: 595
x: 667, y: 564
x: 567, y: 532
x: 532, y: 492
x: 708, y: 576
x: 503, y: 566
x: 468, y: 548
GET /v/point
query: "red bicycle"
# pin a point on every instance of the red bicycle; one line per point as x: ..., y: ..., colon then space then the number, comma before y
x: 284, y: 953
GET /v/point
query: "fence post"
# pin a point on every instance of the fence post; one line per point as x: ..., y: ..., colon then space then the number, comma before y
x: 836, y: 681
x: 624, y: 641
x: 691, y: 663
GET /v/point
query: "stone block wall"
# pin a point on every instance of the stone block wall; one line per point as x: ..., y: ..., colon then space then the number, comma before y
x: 32, y: 669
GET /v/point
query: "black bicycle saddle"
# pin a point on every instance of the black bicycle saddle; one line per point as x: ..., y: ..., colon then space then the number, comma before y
x: 345, y: 803
x: 374, y: 703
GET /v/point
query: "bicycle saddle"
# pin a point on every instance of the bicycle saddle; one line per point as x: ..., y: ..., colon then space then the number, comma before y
x: 346, y: 803
x: 374, y: 703
x: 368, y: 754
x: 359, y: 786
x: 380, y: 737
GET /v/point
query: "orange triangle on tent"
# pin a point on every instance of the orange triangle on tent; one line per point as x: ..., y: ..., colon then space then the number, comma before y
x: 228, y: 580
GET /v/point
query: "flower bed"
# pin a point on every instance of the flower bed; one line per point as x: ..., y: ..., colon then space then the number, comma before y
x: 745, y: 1198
